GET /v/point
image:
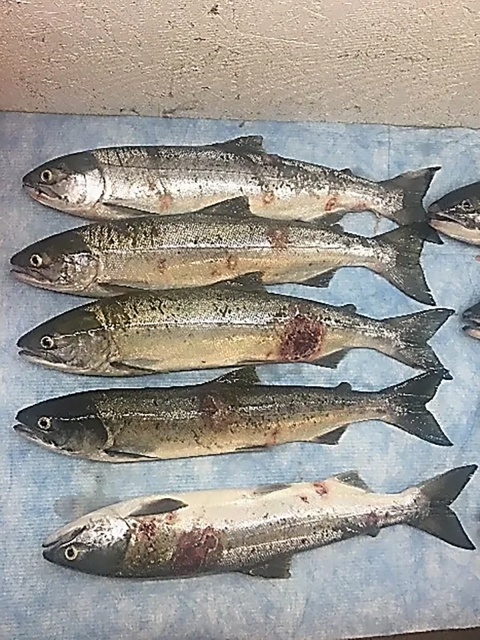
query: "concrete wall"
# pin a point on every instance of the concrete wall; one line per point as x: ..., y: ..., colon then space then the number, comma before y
x: 414, y: 62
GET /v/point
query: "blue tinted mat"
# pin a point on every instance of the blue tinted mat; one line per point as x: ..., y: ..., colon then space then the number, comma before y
x: 400, y: 581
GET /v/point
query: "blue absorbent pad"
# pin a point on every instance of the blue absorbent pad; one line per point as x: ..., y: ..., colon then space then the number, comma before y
x: 403, y: 580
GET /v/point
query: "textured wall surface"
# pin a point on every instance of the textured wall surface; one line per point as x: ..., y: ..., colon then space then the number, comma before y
x: 400, y: 581
x: 413, y: 62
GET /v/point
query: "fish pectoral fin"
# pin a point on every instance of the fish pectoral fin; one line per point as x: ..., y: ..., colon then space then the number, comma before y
x: 275, y: 568
x: 332, y: 360
x: 126, y: 456
x: 321, y: 280
x: 244, y: 377
x: 241, y: 145
x: 332, y: 437
x: 353, y: 479
x: 156, y: 506
x: 136, y: 367
x: 117, y: 288
x: 122, y: 210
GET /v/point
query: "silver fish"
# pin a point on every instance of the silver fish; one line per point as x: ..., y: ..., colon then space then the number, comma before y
x: 231, y: 413
x: 252, y: 531
x: 209, y: 246
x: 117, y: 182
x: 221, y: 326
x: 457, y: 214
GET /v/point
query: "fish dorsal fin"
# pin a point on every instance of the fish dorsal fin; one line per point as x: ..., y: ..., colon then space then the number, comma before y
x: 346, y: 171
x: 333, y: 359
x: 349, y: 308
x: 343, y: 387
x: 270, y: 488
x: 332, y: 437
x: 353, y: 479
x: 244, y: 377
x: 322, y: 280
x: 242, y: 144
x: 248, y: 281
x: 274, y: 568
x: 156, y: 506
x: 235, y: 207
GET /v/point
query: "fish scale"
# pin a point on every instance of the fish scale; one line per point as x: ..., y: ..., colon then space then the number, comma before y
x: 253, y: 531
x: 118, y: 182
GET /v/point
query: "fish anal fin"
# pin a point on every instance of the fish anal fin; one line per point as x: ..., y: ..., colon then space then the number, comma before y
x: 353, y: 479
x: 244, y: 377
x: 276, y: 568
x: 344, y: 387
x: 332, y: 437
x: 156, y: 506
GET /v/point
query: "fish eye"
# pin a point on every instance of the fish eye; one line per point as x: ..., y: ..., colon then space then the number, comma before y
x: 71, y: 552
x: 44, y: 423
x: 47, y: 342
x: 46, y: 176
x: 36, y: 260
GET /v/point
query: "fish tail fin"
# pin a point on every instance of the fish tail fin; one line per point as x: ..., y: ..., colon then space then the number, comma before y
x: 413, y: 332
x: 414, y: 185
x: 406, y: 408
x: 438, y: 519
x: 406, y: 272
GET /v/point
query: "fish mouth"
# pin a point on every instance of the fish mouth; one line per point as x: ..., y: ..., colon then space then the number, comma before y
x: 30, y: 433
x: 472, y: 319
x: 40, y: 192
x: 30, y: 276
x: 43, y: 359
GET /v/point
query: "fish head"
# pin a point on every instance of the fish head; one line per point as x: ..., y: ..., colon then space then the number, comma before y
x: 72, y: 183
x: 458, y: 214
x: 472, y: 318
x: 95, y: 545
x: 68, y: 425
x: 74, y: 341
x: 63, y: 262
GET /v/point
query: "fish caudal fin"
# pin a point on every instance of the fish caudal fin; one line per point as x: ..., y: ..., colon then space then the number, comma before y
x: 406, y: 272
x: 413, y: 331
x: 406, y: 408
x: 439, y: 520
x: 414, y: 185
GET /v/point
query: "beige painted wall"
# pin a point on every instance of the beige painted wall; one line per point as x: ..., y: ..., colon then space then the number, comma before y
x: 397, y: 61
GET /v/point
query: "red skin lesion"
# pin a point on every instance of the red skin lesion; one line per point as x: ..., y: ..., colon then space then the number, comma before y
x: 268, y: 198
x: 147, y: 529
x: 331, y: 203
x: 166, y: 202
x: 302, y: 339
x: 196, y: 549
x: 214, y: 412
x: 320, y: 488
x: 278, y: 239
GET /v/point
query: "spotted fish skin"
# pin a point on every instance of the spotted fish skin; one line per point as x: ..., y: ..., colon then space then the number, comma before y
x: 229, y: 414
x: 219, y: 243
x: 252, y: 531
x: 221, y: 326
x: 115, y: 182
